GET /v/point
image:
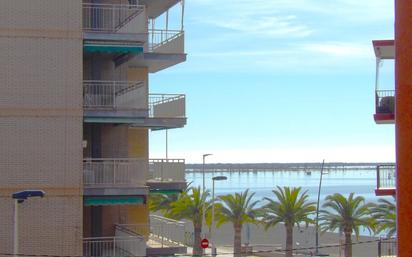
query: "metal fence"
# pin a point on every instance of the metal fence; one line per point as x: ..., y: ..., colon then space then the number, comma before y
x: 114, y: 172
x: 387, y: 247
x: 159, y: 37
x: 386, y: 176
x: 385, y: 101
x: 118, y: 246
x: 108, y: 17
x: 168, y: 230
x: 99, y: 94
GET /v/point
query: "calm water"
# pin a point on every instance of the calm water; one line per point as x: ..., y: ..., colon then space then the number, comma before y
x: 362, y: 182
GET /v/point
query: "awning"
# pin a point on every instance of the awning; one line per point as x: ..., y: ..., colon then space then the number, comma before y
x: 112, y: 200
x: 165, y: 191
x: 112, y: 48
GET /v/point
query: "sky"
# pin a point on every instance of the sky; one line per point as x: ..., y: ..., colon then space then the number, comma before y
x: 279, y: 81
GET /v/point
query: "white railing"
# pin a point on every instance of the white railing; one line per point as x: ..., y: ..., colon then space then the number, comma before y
x: 108, y: 17
x: 99, y: 94
x: 114, y: 172
x: 159, y: 37
x: 167, y: 230
x: 167, y: 169
x: 386, y: 176
x: 167, y: 105
x: 122, y: 245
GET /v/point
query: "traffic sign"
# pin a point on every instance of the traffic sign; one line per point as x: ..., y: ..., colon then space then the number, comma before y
x: 204, y: 243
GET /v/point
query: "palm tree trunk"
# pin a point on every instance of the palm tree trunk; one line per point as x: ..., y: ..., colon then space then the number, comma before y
x: 348, y: 244
x: 237, y: 241
x: 197, y: 249
x: 289, y: 240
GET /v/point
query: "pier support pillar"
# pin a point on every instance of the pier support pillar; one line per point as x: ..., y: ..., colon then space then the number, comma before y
x: 403, y: 124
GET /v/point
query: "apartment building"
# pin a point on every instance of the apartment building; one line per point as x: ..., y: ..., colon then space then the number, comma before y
x: 394, y: 106
x: 75, y: 115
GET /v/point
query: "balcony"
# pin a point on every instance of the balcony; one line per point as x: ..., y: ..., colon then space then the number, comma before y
x: 386, y: 180
x: 114, y: 177
x: 126, y: 102
x: 166, y: 175
x: 165, y: 48
x: 384, y: 106
x: 166, y: 41
x: 114, y: 101
x: 157, y: 7
x: 387, y: 247
x: 125, y: 243
x: 114, y: 28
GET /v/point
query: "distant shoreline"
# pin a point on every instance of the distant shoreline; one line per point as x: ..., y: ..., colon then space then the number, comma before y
x: 279, y: 167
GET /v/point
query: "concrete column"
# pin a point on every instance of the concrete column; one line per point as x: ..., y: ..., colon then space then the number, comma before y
x: 403, y: 79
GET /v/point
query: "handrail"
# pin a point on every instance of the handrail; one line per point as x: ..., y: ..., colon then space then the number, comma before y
x: 112, y: 94
x: 99, y: 17
x: 167, y: 160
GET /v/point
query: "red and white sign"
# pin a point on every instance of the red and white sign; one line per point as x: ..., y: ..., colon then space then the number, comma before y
x: 204, y: 243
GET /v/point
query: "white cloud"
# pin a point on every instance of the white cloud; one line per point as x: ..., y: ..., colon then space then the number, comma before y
x: 340, y: 49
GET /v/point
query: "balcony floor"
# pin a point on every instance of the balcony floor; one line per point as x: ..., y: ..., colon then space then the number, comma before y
x: 384, y: 118
x: 385, y: 191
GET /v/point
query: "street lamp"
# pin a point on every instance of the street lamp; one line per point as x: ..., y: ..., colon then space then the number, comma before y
x: 204, y: 187
x: 217, y: 178
x: 20, y: 197
x: 317, y: 253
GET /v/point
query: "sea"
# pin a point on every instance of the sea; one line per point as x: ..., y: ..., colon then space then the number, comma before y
x: 262, y: 183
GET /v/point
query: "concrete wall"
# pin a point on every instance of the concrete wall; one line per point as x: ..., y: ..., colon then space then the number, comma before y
x: 41, y: 124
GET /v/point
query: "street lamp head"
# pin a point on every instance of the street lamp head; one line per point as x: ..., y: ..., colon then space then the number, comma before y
x: 206, y: 154
x: 220, y: 178
x: 23, y: 195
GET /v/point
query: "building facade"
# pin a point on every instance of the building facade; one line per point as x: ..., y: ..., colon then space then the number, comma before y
x: 75, y: 115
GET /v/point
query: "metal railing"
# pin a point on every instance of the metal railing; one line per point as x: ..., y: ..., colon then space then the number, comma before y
x: 385, y: 101
x: 99, y: 94
x: 167, y: 230
x: 386, y: 176
x: 108, y: 17
x: 118, y: 246
x: 159, y: 37
x: 114, y: 172
x: 387, y: 247
x: 167, y: 169
x: 156, y: 100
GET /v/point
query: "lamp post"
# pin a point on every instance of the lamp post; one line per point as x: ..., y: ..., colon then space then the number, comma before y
x: 217, y: 178
x: 317, y: 253
x: 19, y: 198
x: 204, y: 186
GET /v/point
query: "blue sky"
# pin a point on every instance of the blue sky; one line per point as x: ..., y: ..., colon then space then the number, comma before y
x: 279, y: 81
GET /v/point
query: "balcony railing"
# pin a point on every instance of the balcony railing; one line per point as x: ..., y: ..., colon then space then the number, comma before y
x: 387, y: 248
x: 386, y: 176
x: 172, y: 170
x: 385, y: 101
x: 108, y: 17
x: 114, y: 172
x: 124, y: 244
x: 167, y: 105
x: 159, y: 37
x: 126, y: 95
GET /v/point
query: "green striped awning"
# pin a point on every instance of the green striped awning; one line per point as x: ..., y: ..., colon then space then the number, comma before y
x: 112, y: 200
x: 165, y: 191
x: 112, y: 48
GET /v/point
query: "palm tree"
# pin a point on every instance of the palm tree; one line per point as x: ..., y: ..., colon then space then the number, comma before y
x: 237, y: 209
x: 385, y: 215
x: 161, y: 202
x: 190, y: 205
x: 290, y: 207
x: 347, y: 215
